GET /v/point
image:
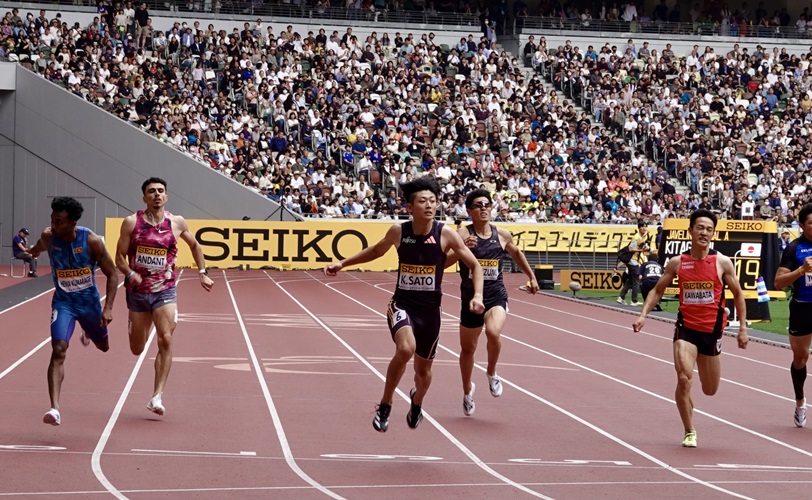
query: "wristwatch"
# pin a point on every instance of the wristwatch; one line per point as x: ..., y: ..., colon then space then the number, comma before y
x: 204, y: 271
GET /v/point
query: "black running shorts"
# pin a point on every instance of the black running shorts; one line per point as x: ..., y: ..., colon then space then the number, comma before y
x: 800, y: 318
x: 708, y: 344
x: 424, y: 322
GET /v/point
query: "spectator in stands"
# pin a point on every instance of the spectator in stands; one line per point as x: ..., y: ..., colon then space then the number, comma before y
x: 19, y: 246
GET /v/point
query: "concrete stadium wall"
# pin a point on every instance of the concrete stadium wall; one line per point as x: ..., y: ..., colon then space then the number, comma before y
x: 53, y: 143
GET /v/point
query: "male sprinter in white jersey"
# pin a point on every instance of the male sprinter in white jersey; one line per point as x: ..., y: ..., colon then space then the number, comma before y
x: 489, y: 245
x: 414, y: 311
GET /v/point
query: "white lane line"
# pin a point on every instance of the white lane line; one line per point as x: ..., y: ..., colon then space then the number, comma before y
x: 41, y: 344
x: 206, y: 453
x: 26, y: 301
x: 470, y: 454
x: 95, y: 458
x: 578, y: 419
x: 277, y: 422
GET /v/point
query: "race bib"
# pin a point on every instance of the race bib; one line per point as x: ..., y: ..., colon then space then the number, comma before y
x: 151, y: 259
x: 74, y: 280
x: 490, y: 269
x: 417, y: 278
x: 808, y: 277
x: 697, y: 292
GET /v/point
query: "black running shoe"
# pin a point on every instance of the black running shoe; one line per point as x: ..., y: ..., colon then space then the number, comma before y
x: 415, y: 414
x: 381, y: 420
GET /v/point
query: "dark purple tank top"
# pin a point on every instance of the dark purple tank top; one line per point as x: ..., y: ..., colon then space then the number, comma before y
x: 420, y: 267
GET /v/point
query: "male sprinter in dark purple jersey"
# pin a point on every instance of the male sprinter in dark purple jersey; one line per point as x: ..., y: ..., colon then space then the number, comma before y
x: 414, y: 311
x: 489, y: 244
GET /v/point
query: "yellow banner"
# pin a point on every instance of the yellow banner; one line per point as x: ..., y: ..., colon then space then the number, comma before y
x: 592, y: 279
x: 724, y: 225
x: 314, y: 244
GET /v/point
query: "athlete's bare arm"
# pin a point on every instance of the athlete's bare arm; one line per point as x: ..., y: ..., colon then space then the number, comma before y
x: 470, y: 241
x: 784, y: 277
x: 99, y: 254
x: 42, y: 244
x: 656, y: 294
x: 453, y: 241
x: 180, y: 224
x: 390, y: 239
x: 732, y: 281
x: 122, y: 249
x: 506, y: 238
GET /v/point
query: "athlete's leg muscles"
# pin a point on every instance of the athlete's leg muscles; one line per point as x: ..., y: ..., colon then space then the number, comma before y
x: 165, y: 318
x: 56, y: 370
x: 710, y: 373
x: 422, y: 378
x: 494, y: 322
x: 469, y: 338
x: 405, y: 346
x: 800, y: 356
x: 140, y: 323
x: 685, y: 355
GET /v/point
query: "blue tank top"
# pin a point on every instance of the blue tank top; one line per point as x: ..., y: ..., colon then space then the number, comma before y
x: 421, y: 261
x: 793, y: 257
x: 73, y: 270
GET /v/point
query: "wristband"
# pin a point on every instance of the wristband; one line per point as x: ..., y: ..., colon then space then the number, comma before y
x: 203, y: 271
x: 129, y: 274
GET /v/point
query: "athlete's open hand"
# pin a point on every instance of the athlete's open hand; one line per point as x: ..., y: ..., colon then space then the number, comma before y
x: 333, y: 269
x: 206, y: 282
x: 637, y: 326
x: 476, y: 305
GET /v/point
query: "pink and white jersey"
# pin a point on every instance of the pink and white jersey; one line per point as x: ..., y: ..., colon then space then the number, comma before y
x: 152, y: 254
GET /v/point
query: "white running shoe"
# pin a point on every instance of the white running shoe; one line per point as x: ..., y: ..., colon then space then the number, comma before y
x: 800, y: 415
x: 156, y: 406
x: 84, y: 338
x: 52, y: 417
x: 495, y: 383
x: 468, y: 405
x: 621, y: 301
x: 636, y: 304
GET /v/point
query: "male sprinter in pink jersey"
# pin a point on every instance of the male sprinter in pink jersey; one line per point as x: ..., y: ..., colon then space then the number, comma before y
x: 146, y: 254
x: 702, y: 318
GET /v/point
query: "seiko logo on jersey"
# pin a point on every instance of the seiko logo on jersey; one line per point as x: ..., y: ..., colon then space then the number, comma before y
x: 697, y: 292
x: 151, y: 258
x: 697, y: 285
x: 73, y: 280
x: 408, y: 239
x: 490, y: 269
x: 417, y: 278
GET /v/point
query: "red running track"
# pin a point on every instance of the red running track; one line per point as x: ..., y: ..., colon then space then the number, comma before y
x: 275, y: 379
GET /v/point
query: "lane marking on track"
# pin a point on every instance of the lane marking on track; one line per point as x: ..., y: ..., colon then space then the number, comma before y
x: 206, y: 453
x: 470, y: 454
x: 277, y: 422
x: 560, y: 409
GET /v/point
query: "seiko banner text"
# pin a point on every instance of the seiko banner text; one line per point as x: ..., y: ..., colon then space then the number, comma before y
x: 591, y: 279
x: 314, y: 244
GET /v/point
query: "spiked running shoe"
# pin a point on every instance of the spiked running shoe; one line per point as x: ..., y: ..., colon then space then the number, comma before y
x: 381, y: 421
x: 800, y: 415
x: 415, y: 414
x: 52, y: 417
x: 689, y: 441
x: 156, y: 406
x: 468, y: 405
x: 495, y: 384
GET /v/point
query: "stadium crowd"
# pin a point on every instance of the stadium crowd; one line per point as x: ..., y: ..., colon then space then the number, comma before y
x: 329, y: 123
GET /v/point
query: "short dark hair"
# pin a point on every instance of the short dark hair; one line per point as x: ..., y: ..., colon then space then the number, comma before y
x: 152, y: 180
x: 410, y: 189
x: 71, y: 206
x: 703, y: 212
x: 642, y: 223
x: 804, y: 213
x: 476, y: 193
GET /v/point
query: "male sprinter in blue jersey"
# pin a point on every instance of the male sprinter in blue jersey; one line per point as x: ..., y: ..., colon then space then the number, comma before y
x: 489, y: 244
x: 795, y: 270
x: 75, y: 253
x: 414, y: 311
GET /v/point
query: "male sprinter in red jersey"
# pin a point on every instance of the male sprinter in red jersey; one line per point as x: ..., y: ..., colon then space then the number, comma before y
x: 702, y: 275
x: 414, y: 311
x: 146, y: 254
x: 489, y: 244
